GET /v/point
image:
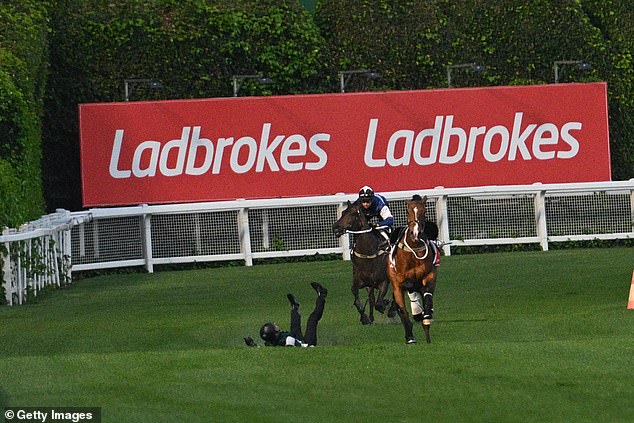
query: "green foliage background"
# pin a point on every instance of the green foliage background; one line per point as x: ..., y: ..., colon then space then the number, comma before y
x: 23, y: 63
x: 56, y: 54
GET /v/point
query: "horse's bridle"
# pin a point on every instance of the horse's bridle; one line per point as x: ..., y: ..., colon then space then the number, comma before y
x: 418, y: 238
x: 419, y: 220
x: 357, y: 220
x: 363, y: 231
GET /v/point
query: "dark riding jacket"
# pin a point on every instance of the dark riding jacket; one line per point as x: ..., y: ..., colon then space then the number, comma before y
x: 378, y: 209
x: 285, y: 339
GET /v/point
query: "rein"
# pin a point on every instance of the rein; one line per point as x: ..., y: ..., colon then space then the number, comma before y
x: 365, y: 231
x: 413, y: 250
x: 405, y: 246
x: 365, y: 256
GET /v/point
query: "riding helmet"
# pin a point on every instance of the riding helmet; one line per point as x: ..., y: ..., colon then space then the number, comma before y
x: 366, y: 193
x: 269, y: 332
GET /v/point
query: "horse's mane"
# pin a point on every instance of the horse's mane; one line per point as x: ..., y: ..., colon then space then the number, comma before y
x: 417, y: 197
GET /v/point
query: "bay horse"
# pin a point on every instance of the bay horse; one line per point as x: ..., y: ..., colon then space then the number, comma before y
x: 412, y: 268
x: 369, y: 261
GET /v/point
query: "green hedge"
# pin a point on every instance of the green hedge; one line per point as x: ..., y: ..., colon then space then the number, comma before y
x: 402, y: 40
x: 23, y: 63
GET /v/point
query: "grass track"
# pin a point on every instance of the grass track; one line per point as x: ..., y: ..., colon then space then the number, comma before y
x: 518, y: 337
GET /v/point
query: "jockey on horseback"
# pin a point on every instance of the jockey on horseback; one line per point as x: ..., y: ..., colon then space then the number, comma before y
x: 375, y: 206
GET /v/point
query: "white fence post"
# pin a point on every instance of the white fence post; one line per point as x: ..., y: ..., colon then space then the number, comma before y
x: 442, y: 215
x: 245, y: 236
x: 21, y: 282
x: 146, y: 233
x: 7, y: 271
x: 266, y: 239
x: 67, y: 255
x: 82, y: 240
x: 54, y: 245
x: 540, y: 219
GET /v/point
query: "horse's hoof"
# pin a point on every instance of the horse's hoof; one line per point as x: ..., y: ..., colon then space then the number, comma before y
x: 392, y: 312
x: 365, y: 320
x: 411, y: 340
x: 427, y: 335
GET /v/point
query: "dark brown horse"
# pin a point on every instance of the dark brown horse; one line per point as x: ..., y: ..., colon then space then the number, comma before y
x: 412, y: 269
x: 369, y: 261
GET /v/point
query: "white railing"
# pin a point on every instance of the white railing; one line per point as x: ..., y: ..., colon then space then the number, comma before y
x: 37, y: 255
x: 248, y: 230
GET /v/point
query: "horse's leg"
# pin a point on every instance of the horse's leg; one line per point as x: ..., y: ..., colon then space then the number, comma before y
x: 381, y: 303
x: 429, y: 285
x: 393, y: 310
x: 427, y: 314
x: 415, y: 299
x: 360, y: 308
x: 421, y: 313
x: 399, y: 298
x: 372, y: 302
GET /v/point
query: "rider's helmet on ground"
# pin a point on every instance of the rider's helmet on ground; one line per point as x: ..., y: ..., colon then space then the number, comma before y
x: 366, y: 193
x: 269, y: 332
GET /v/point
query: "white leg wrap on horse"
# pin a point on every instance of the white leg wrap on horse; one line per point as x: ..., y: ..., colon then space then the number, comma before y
x: 415, y: 299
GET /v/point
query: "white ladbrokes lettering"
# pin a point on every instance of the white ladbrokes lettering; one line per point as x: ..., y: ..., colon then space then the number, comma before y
x: 444, y: 143
x: 449, y: 144
x: 194, y: 155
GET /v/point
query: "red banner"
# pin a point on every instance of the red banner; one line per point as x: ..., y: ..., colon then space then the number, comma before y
x: 291, y: 146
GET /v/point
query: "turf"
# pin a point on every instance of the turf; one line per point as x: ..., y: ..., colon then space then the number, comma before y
x: 518, y: 337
